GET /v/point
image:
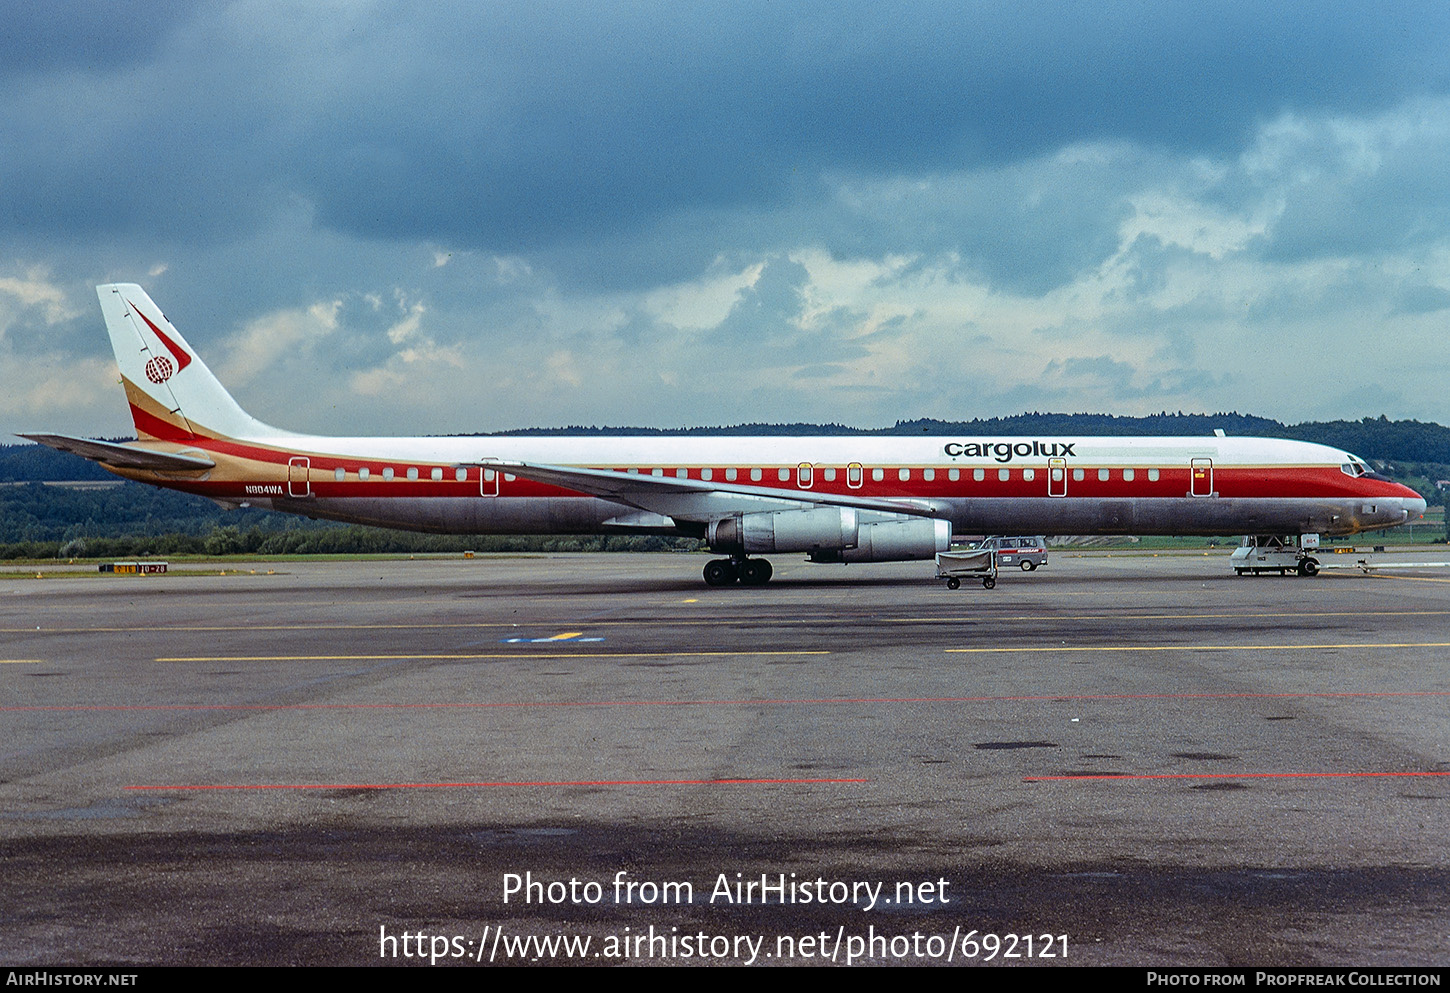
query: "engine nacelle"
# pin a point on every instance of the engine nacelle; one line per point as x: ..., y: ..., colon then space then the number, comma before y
x: 894, y: 541
x: 785, y: 531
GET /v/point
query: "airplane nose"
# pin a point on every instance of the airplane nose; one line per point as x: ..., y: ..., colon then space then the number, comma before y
x: 1415, y: 507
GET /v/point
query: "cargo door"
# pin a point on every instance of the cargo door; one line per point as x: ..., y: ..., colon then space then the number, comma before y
x: 298, y: 477
x: 1201, y: 478
x: 488, y: 481
x: 1057, y: 477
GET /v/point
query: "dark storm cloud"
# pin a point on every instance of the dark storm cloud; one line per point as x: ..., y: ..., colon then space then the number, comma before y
x: 88, y: 35
x: 551, y: 125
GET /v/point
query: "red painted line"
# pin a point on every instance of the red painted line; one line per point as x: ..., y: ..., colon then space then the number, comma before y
x: 562, y: 782
x: 521, y: 704
x: 1231, y: 775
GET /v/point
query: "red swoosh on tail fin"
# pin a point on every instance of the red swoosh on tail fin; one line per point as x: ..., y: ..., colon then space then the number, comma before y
x: 183, y: 359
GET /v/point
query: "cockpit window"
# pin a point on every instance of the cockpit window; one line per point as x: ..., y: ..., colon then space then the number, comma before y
x: 1354, y: 467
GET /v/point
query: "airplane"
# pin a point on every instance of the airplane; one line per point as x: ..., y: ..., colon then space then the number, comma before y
x: 837, y: 499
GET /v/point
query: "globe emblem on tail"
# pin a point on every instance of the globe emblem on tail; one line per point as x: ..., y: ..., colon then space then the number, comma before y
x: 159, y: 369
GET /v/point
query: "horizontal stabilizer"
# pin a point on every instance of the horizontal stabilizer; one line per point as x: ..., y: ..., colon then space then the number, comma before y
x: 123, y: 456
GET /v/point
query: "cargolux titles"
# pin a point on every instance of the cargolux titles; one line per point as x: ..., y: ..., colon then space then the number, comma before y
x: 1005, y: 451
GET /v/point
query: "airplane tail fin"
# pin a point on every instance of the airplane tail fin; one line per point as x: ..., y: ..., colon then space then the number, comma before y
x: 173, y: 395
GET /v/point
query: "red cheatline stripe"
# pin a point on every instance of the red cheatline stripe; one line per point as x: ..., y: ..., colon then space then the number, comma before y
x: 1232, y: 775
x: 519, y: 704
x: 554, y: 782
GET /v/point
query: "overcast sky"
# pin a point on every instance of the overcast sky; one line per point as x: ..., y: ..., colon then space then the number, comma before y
x: 436, y: 217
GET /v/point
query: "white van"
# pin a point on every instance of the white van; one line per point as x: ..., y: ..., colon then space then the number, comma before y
x: 1026, y: 552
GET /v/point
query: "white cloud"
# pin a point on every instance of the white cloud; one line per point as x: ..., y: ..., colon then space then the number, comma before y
x: 275, y: 338
x: 34, y: 291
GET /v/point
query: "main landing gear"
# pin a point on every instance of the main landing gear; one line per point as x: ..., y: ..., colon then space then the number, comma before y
x: 749, y: 572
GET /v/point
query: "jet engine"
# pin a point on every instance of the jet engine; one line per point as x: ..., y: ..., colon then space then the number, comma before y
x: 832, y: 534
x: 893, y: 541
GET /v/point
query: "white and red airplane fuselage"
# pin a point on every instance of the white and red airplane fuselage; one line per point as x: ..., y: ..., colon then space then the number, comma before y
x: 838, y: 498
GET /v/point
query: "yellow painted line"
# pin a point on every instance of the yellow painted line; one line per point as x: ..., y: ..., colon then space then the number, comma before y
x: 645, y: 622
x: 1202, y: 648
x: 22, y: 661
x: 495, y: 655
x: 565, y: 636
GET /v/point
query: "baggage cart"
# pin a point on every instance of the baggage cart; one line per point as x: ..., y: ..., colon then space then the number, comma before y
x: 970, y: 563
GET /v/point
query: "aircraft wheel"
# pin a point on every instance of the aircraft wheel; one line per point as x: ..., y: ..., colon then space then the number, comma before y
x: 1238, y: 572
x: 988, y: 583
x: 755, y: 572
x: 954, y: 583
x: 720, y: 572
x: 1309, y: 567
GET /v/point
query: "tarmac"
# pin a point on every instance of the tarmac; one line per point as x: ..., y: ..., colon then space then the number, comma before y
x: 1119, y: 759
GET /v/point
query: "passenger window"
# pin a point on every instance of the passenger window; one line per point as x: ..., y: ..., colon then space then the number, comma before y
x: 339, y: 474
x: 1077, y: 474
x: 928, y: 474
x: 1028, y: 475
x: 362, y: 473
x: 954, y: 474
x: 755, y: 475
x: 388, y: 473
x: 436, y: 474
x: 783, y: 475
x: 979, y: 474
x: 413, y: 472
x: 682, y: 473
x: 488, y: 474
x: 460, y: 474
x: 853, y: 474
x: 707, y: 474
x: 1152, y: 475
x: 730, y: 475
x: 1004, y: 474
x: 878, y: 474
x: 830, y: 475
x: 1102, y: 475
x: 903, y: 474
x: 656, y: 472
x: 1127, y: 475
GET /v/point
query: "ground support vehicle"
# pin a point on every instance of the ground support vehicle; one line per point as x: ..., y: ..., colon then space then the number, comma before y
x: 1271, y: 553
x: 973, y: 563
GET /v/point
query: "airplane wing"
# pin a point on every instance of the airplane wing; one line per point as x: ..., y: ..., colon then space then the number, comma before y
x: 109, y: 453
x: 697, y: 499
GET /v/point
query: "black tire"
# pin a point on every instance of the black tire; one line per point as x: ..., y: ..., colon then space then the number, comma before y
x: 1238, y: 572
x: 1028, y: 565
x: 954, y: 583
x: 755, y: 572
x: 988, y: 583
x: 720, y: 572
x: 1309, y: 567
